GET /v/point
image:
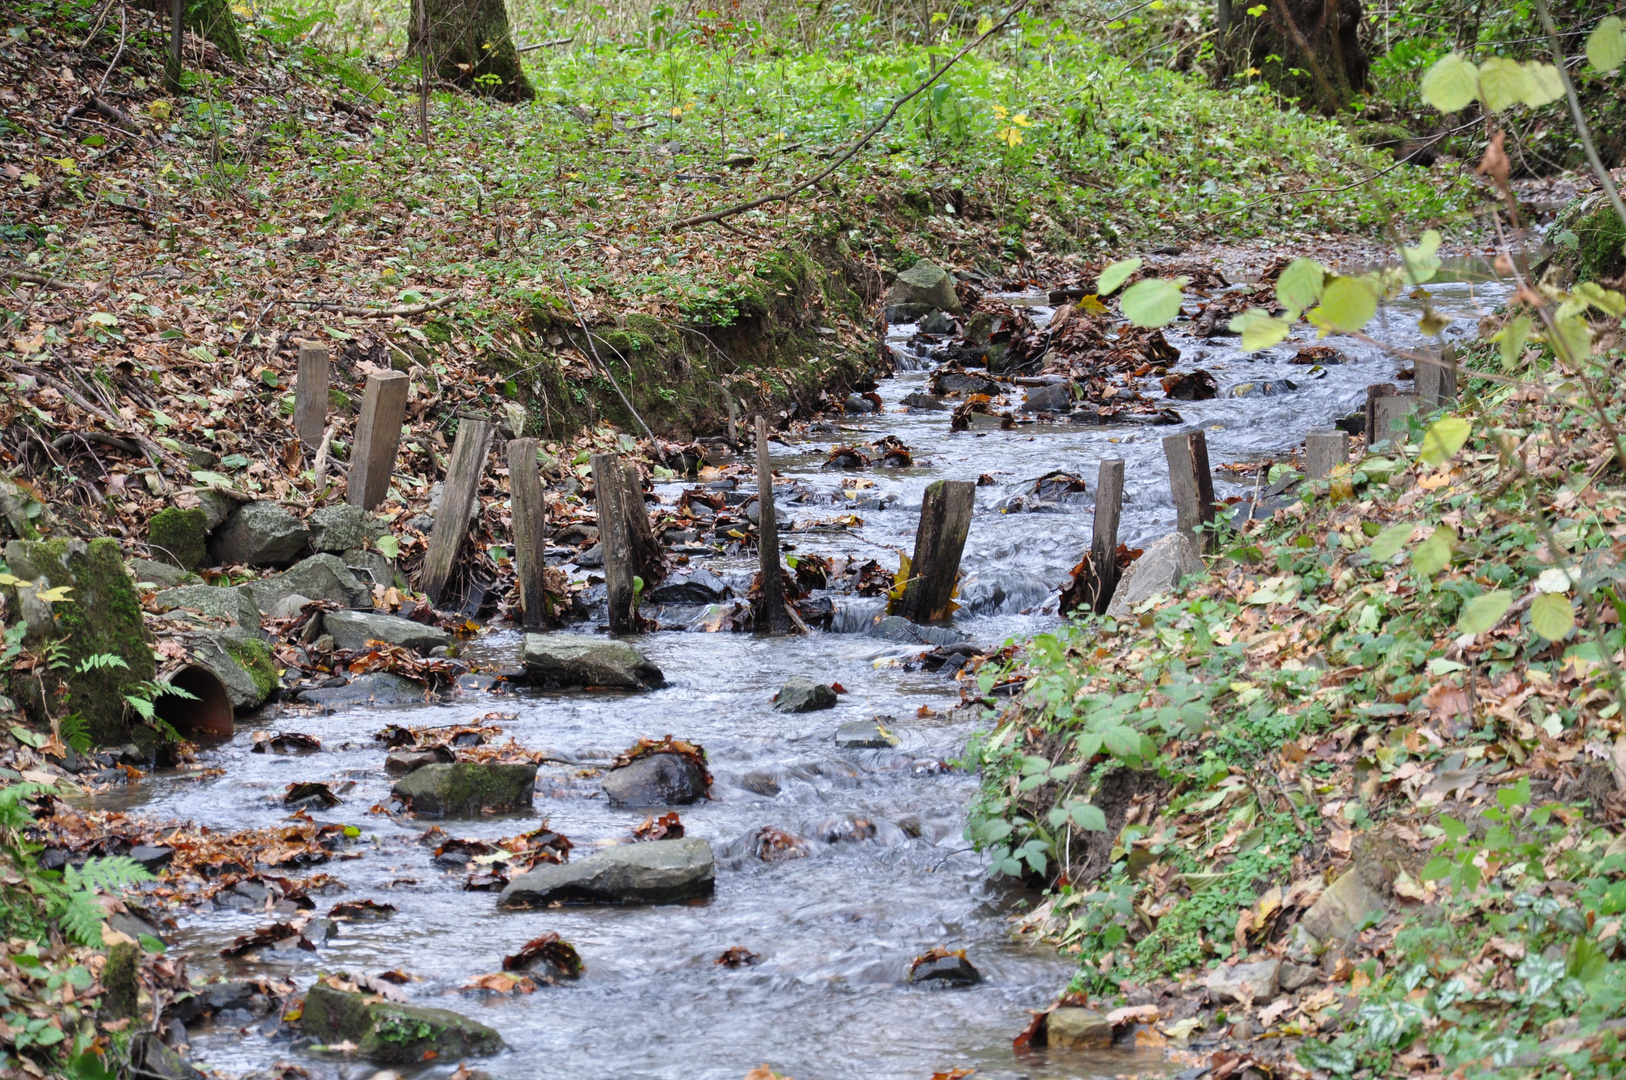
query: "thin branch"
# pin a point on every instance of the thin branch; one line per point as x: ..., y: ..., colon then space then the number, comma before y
x: 790, y: 193
x: 654, y: 443
x: 372, y: 312
x: 1575, y: 111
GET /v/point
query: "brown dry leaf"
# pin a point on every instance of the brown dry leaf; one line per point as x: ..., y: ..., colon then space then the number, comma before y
x: 762, y: 1072
x: 1275, y: 1011
x: 502, y: 982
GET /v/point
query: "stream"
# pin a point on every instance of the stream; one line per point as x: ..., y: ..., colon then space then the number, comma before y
x: 838, y: 929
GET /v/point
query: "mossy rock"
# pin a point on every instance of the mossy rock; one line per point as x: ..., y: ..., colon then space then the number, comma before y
x: 393, y: 1032
x: 1587, y: 242
x: 468, y: 789
x: 438, y: 332
x: 100, y: 617
x: 179, y: 537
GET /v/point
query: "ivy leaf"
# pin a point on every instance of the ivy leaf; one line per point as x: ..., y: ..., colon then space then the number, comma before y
x: 1300, y: 284
x: 1152, y: 302
x: 1483, y: 612
x: 1444, y: 438
x: 1259, y: 329
x: 1389, y: 542
x: 1551, y: 616
x: 1348, y: 304
x: 1114, y: 275
x: 1451, y: 84
x: 1606, y: 45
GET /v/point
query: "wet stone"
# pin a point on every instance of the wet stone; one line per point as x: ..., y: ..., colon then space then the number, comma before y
x: 653, y: 872
x: 1055, y: 398
x: 375, y: 688
x: 760, y: 783
x: 656, y: 780
x: 579, y: 660
x: 874, y: 734
x: 918, y: 402
x: 1072, y: 1028
x: 950, y: 970
x: 698, y: 587
x: 401, y: 762
x: 152, y: 857
x: 354, y: 629
x: 467, y: 789
x: 393, y: 1032
x: 897, y: 629
x: 800, y: 695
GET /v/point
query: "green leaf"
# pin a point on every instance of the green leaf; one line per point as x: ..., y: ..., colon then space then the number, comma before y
x: 28, y: 738
x: 1483, y: 612
x: 1434, y: 554
x: 1552, y: 616
x: 1544, y: 85
x: 1503, y: 82
x: 1605, y: 300
x: 1423, y: 261
x: 1571, y: 339
x: 1122, y: 743
x: 1512, y: 338
x: 1348, y: 304
x: 388, y: 546
x: 1300, y: 284
x: 1114, y: 275
x: 1389, y: 542
x: 1454, y: 829
x: 1443, y: 439
x: 1451, y: 84
x: 1438, y: 868
x: 1088, y: 816
x: 213, y: 479
x: 1259, y: 329
x: 1152, y: 302
x: 1606, y: 45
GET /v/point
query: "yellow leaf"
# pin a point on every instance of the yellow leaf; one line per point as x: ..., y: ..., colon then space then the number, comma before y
x: 52, y: 596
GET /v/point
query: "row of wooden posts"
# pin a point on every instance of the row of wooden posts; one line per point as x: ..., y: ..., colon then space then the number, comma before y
x: 627, y: 538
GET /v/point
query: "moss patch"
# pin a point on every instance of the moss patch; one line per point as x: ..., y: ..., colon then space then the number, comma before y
x: 391, y: 1032
x: 254, y: 656
x: 179, y: 537
x: 1602, y: 237
x: 101, y: 616
x: 467, y: 789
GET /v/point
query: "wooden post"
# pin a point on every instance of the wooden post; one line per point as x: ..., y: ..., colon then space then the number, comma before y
x: 648, y: 561
x: 608, y: 481
x: 733, y: 421
x: 1109, y: 494
x: 530, y: 514
x: 310, y: 395
x: 775, y: 618
x: 1373, y: 393
x: 1323, y: 452
x: 378, y: 436
x: 945, y: 518
x: 1437, y: 381
x: 458, y: 498
x: 1191, y: 483
x: 1390, y: 413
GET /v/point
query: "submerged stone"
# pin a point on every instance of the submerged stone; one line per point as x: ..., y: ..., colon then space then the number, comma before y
x: 579, y: 660
x: 1073, y: 1028
x: 800, y: 695
x: 654, y: 872
x: 656, y: 780
x: 467, y: 788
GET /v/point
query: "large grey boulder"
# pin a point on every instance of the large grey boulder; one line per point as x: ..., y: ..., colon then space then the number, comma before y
x: 235, y: 603
x: 259, y: 534
x: 320, y: 577
x: 354, y: 629
x: 579, y: 660
x: 393, y: 1032
x: 656, y: 872
x: 242, y: 662
x: 468, y: 788
x: 920, y: 290
x: 1160, y: 568
x: 338, y: 528
x: 800, y: 695
x: 656, y: 780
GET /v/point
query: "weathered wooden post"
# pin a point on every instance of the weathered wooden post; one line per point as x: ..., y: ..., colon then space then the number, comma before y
x: 1324, y: 451
x: 1390, y: 412
x: 775, y: 617
x: 1191, y: 483
x: 458, y: 497
x: 1109, y: 494
x: 608, y: 481
x: 378, y: 436
x: 733, y: 421
x: 945, y: 518
x: 1373, y: 393
x: 648, y: 561
x: 530, y: 514
x: 1436, y: 379
x: 310, y: 395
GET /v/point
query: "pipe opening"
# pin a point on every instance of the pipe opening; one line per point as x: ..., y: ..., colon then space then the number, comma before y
x: 210, y: 713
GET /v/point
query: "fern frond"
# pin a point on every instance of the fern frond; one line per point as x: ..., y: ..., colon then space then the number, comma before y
x: 82, y: 919
x: 109, y: 874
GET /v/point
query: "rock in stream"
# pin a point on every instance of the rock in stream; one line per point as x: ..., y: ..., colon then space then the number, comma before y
x: 655, y: 872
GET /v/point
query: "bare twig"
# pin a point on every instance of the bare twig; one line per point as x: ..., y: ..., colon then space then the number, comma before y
x: 124, y: 20
x: 792, y: 192
x: 544, y: 44
x: 372, y: 312
x: 43, y: 280
x: 654, y: 443
x: 1575, y: 111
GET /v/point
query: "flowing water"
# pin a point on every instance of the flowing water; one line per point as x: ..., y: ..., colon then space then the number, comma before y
x: 836, y: 930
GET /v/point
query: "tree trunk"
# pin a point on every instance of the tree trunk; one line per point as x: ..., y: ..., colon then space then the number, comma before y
x: 468, y: 43
x: 1311, y: 50
x: 211, y: 19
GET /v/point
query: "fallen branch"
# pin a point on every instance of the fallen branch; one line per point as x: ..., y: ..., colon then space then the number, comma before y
x: 790, y: 193
x: 40, y: 279
x: 376, y: 313
x: 544, y: 44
